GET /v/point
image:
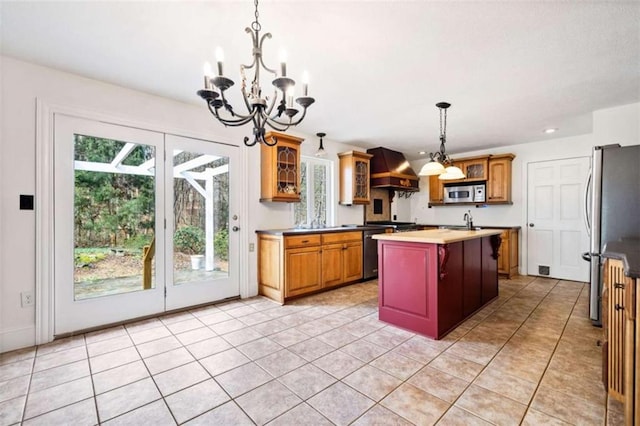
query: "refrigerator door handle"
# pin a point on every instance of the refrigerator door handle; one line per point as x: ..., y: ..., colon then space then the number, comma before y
x: 585, y: 215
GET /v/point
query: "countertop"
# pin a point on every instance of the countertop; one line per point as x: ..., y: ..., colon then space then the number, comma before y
x: 298, y: 231
x: 629, y: 252
x: 437, y: 236
x: 475, y: 225
x: 346, y: 228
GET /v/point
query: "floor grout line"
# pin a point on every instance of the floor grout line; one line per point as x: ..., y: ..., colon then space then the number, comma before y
x: 295, y: 312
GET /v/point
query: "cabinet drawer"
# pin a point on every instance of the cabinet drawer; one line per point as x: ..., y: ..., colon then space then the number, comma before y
x: 341, y: 237
x: 302, y: 241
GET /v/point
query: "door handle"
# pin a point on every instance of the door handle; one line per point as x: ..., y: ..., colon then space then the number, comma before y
x: 235, y: 228
x: 531, y: 225
x: 585, y: 217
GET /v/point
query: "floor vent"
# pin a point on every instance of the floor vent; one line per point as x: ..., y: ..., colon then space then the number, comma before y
x: 543, y: 270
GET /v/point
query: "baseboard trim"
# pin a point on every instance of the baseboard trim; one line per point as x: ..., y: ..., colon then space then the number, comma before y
x: 17, y: 338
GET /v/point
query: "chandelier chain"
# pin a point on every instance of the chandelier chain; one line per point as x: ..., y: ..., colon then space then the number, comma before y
x: 255, y: 25
x: 443, y: 129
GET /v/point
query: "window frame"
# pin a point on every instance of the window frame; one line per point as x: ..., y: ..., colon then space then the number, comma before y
x: 330, y: 203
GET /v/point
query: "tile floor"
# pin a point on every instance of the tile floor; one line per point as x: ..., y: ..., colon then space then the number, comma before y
x: 530, y: 357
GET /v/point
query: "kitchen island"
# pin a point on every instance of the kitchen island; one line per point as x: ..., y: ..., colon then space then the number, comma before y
x: 430, y: 281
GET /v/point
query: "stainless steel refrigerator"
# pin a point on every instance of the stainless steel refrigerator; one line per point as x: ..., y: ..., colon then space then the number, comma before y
x: 612, y: 209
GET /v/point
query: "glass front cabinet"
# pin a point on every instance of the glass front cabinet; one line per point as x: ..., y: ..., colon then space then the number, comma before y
x: 280, y: 169
x: 354, y: 177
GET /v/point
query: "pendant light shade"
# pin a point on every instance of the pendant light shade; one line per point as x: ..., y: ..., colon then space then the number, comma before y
x: 432, y: 168
x: 451, y: 173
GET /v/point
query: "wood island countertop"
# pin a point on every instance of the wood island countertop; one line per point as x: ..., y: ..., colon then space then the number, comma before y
x: 437, y: 236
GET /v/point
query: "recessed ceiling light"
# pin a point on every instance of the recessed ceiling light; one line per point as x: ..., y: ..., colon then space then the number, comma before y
x: 550, y: 130
x: 422, y: 152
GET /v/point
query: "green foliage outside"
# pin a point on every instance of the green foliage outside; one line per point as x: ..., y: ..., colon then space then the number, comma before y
x: 189, y: 240
x: 138, y: 242
x: 111, y: 208
x: 115, y: 211
x: 85, y: 257
x: 221, y: 244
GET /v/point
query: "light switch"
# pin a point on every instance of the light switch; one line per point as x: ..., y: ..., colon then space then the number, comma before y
x: 26, y: 202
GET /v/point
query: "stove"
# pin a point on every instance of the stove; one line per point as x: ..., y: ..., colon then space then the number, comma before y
x: 397, y: 226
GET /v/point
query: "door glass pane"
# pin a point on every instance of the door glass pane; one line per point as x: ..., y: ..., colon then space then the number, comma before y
x: 114, y: 217
x: 200, y: 217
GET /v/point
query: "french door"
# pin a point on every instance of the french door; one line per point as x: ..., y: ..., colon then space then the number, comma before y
x: 143, y: 223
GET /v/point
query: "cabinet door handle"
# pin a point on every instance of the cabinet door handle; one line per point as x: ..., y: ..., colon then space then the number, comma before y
x: 619, y: 307
x: 304, y: 241
x: 618, y: 285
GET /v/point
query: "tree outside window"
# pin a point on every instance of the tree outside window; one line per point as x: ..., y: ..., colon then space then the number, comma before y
x: 316, y: 180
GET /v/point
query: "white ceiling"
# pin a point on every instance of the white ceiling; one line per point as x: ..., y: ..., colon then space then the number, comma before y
x: 510, y: 69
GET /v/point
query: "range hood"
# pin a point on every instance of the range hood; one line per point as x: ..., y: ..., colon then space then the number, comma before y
x: 390, y: 170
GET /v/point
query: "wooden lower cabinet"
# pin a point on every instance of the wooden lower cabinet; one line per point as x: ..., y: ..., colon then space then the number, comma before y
x: 302, y: 274
x: 508, y: 253
x: 290, y: 266
x: 621, y: 359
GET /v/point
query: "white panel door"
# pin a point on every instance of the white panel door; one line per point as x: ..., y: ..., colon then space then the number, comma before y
x: 202, y: 255
x: 108, y: 209
x: 557, y: 234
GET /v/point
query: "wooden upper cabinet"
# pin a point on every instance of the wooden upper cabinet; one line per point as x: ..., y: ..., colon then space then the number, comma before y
x: 499, y: 183
x: 476, y: 170
x: 436, y: 189
x: 280, y: 169
x: 354, y: 177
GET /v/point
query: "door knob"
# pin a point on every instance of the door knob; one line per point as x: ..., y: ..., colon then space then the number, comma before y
x: 531, y: 225
x: 235, y: 228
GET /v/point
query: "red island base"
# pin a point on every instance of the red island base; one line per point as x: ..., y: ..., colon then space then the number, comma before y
x: 431, y: 288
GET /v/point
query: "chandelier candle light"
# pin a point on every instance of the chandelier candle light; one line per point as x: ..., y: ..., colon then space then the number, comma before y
x: 440, y: 163
x: 260, y: 108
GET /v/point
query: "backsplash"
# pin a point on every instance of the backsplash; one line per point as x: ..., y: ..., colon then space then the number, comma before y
x: 378, y: 194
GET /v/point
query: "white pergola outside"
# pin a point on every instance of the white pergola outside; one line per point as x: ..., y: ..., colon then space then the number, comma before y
x: 181, y: 171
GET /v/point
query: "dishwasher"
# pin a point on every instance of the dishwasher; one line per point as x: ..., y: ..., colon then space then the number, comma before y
x: 370, y: 253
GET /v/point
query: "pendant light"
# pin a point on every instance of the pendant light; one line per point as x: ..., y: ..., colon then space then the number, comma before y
x: 321, y: 152
x: 439, y: 162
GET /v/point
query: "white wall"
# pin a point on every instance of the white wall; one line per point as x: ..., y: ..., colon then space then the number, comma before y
x: 617, y: 125
x: 23, y: 83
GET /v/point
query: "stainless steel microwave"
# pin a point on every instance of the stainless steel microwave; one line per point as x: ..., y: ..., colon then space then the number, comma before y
x: 465, y: 193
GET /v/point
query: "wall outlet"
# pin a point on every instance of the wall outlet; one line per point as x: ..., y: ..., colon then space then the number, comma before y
x: 252, y: 247
x: 26, y: 298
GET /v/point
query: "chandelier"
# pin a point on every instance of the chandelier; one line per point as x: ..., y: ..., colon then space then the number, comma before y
x: 261, y: 109
x: 440, y: 163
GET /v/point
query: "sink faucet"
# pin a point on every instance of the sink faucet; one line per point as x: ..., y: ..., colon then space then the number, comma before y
x: 469, y: 219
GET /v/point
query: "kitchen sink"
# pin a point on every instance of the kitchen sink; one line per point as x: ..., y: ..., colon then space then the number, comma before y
x: 460, y: 228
